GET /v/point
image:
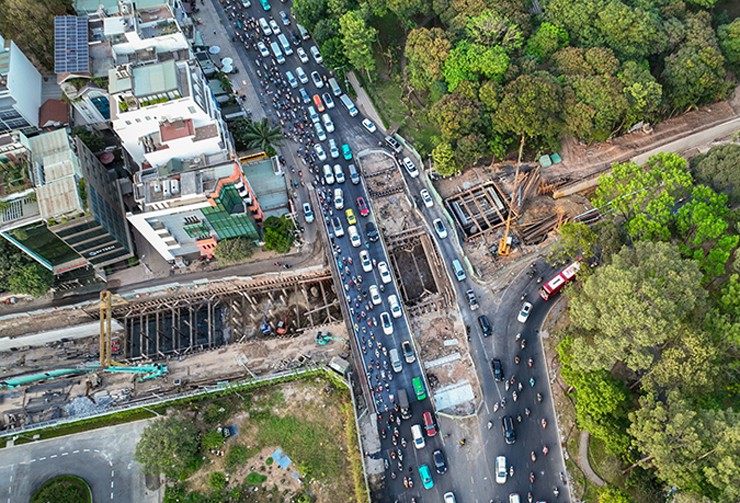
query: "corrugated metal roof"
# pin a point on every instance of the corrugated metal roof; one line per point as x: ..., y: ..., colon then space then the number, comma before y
x: 153, y: 79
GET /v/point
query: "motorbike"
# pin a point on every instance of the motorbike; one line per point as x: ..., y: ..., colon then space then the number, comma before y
x: 490, y: 424
x: 524, y: 343
x: 531, y: 477
x: 539, y: 397
x: 514, y: 396
x: 462, y: 442
x: 511, y: 471
x: 529, y: 497
x: 530, y: 362
x: 555, y: 491
x: 526, y: 412
x: 516, y: 359
x: 545, y: 450
x: 495, y: 407
x: 531, y: 382
x: 533, y: 456
x: 506, y: 385
x: 543, y: 423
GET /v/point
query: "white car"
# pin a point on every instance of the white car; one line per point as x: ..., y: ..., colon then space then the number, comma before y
x: 263, y: 49
x: 394, y: 306
x: 338, y: 173
x: 375, y: 295
x: 439, y: 227
x: 524, y: 313
x: 501, y: 470
x: 316, y: 55
x: 291, y: 79
x: 367, y: 264
x: 333, y: 150
x: 320, y: 152
x: 385, y: 274
x: 410, y: 167
x: 308, y: 213
x: 328, y: 100
x: 450, y: 498
x: 302, y: 55
x: 417, y: 436
x: 301, y: 75
x: 317, y: 80
x: 274, y: 27
x: 265, y: 27
x: 320, y: 132
x: 328, y: 124
x: 427, y: 198
x: 368, y: 124
x: 385, y: 320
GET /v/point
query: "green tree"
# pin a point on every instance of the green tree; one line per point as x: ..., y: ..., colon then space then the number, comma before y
x: 64, y: 489
x: 729, y: 42
x: 169, y: 446
x: 595, y: 106
x: 455, y: 117
x: 631, y: 307
x: 469, y: 149
x: 93, y: 141
x: 256, y: 135
x: 601, y: 401
x: 469, y: 61
x: 578, y: 18
x: 531, y: 107
x: 325, y: 29
x: 11, y: 259
x: 358, y: 38
x: 278, y: 234
x: 718, y: 169
x: 489, y: 28
x: 644, y: 94
x: 613, y: 495
x: 309, y: 12
x: 337, y: 8
x: 444, y: 159
x: 703, y: 224
x: 32, y: 279
x: 546, y: 41
x: 576, y: 239
x: 406, y: 9
x: 631, y: 32
x: 426, y: 52
x: 232, y: 250
x: 333, y: 53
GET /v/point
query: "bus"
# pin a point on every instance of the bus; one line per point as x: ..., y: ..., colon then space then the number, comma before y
x: 557, y: 283
x: 421, y: 392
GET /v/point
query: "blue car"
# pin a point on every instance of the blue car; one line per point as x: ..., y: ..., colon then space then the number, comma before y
x: 426, y: 477
x: 304, y: 96
x: 266, y: 5
x: 346, y: 152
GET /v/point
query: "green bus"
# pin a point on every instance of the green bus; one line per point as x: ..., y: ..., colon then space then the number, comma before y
x: 421, y: 392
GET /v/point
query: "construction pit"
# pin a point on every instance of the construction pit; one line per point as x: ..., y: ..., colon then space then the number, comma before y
x: 228, y: 346
x: 424, y: 287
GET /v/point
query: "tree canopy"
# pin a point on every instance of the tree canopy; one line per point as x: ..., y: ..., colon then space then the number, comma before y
x: 278, y: 234
x: 169, y: 446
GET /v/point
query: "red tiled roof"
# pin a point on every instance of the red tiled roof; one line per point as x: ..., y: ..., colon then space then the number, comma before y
x: 52, y: 113
x: 177, y: 129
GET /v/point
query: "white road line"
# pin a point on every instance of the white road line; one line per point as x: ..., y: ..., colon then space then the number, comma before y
x: 41, y: 459
x: 52, y: 456
x: 65, y: 454
x: 11, y: 479
x: 75, y: 451
x: 111, y: 484
x: 111, y: 495
x: 112, y: 473
x: 32, y: 461
x: 85, y: 450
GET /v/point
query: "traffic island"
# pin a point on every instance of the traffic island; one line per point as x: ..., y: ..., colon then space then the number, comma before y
x: 64, y: 488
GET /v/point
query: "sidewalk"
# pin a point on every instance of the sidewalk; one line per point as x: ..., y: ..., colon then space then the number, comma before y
x: 364, y: 103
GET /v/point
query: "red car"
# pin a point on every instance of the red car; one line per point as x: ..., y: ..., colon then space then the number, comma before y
x: 362, y: 207
x: 429, y: 425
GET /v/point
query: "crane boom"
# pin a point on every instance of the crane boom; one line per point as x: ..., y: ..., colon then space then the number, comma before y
x: 504, y: 244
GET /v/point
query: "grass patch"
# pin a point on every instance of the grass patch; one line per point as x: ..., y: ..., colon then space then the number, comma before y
x: 605, y: 464
x: 255, y: 479
x: 237, y: 456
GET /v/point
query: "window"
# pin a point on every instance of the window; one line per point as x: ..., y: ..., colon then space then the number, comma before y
x: 128, y: 123
x: 138, y: 120
x: 191, y: 110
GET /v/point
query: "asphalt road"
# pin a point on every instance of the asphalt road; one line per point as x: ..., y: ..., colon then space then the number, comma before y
x: 103, y: 458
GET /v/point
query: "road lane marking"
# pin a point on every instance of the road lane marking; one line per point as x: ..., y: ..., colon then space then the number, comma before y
x: 52, y: 456
x: 42, y: 459
x: 65, y: 454
x: 111, y: 495
x: 85, y: 450
x: 111, y: 484
x: 75, y: 451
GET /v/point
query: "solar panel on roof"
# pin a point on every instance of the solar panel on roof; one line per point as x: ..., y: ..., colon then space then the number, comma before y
x: 71, y: 52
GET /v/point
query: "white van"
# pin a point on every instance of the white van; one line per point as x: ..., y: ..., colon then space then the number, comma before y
x: 338, y: 173
x: 396, y: 364
x: 328, y: 174
x: 354, y: 236
x: 277, y: 53
x: 417, y: 436
x: 316, y: 55
x: 313, y: 115
x: 287, y: 49
x: 348, y: 105
x: 328, y: 124
x: 394, y: 306
x: 335, y: 87
x: 459, y: 271
x: 303, y: 32
x: 338, y: 199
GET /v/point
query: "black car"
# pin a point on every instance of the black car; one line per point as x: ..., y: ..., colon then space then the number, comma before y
x: 485, y: 325
x: 371, y: 231
x: 498, y: 370
x: 296, y: 38
x: 440, y: 463
x: 507, y: 425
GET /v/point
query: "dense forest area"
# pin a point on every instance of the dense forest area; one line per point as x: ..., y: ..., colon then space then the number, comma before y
x: 483, y: 74
x: 652, y: 344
